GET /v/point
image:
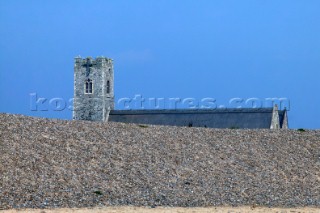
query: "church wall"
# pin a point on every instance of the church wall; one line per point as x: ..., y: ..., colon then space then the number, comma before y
x: 247, y: 118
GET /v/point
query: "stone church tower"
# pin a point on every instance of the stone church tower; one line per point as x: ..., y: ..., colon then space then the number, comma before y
x: 93, y: 88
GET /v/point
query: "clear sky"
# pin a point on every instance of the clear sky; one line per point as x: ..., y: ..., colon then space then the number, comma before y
x: 221, y: 49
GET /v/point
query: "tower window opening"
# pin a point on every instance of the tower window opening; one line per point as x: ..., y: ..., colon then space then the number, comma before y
x: 88, y: 86
x: 108, y: 87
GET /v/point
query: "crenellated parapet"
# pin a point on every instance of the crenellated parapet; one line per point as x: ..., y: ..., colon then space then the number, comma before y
x: 89, y: 61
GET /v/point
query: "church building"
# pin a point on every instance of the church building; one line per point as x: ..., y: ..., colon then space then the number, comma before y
x: 94, y: 101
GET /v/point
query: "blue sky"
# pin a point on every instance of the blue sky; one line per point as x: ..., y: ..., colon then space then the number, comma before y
x: 221, y: 49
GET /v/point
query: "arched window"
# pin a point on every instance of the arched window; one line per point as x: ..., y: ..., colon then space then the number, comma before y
x: 108, y: 87
x: 88, y: 86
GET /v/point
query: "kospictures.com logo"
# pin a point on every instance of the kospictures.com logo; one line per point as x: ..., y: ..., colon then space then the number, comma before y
x: 138, y: 102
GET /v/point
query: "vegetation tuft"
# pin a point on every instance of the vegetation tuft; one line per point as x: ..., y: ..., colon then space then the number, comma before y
x: 98, y: 192
x: 142, y: 126
x: 234, y: 127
